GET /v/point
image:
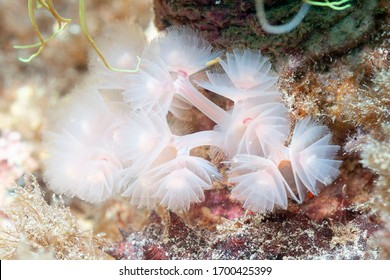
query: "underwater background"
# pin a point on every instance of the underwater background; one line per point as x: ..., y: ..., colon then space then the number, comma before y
x: 334, y: 65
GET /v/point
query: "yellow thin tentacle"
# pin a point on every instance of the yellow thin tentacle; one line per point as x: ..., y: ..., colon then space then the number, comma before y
x: 55, y: 13
x: 62, y: 22
x: 213, y: 61
x: 84, y: 29
x: 34, y: 22
x: 39, y: 43
x: 36, y: 30
x: 48, y: 4
x: 41, y: 3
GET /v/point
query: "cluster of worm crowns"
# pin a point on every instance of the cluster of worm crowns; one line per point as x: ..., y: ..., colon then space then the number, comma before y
x: 117, y: 135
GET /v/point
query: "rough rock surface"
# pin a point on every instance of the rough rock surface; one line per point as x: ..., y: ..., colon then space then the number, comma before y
x: 229, y: 24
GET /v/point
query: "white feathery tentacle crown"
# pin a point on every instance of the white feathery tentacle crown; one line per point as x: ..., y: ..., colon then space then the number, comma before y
x: 113, y: 136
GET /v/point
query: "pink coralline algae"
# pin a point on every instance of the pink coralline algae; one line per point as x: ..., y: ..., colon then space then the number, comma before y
x: 113, y: 136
